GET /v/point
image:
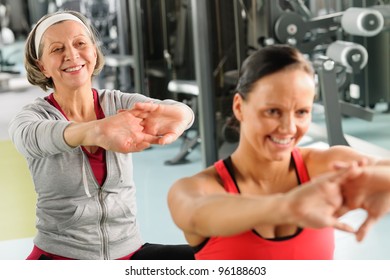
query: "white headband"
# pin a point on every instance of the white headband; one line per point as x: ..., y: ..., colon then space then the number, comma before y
x: 45, y: 24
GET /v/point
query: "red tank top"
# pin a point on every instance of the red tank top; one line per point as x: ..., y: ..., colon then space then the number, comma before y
x: 307, y: 244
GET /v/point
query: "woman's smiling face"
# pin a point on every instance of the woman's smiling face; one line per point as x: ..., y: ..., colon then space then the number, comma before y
x: 69, y: 56
x: 276, y: 113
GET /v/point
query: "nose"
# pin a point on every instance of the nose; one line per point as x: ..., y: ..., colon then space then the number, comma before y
x: 71, y: 53
x: 288, y: 124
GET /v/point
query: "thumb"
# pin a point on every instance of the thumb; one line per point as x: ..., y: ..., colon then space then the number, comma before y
x: 167, y: 139
x: 363, y: 229
x: 343, y: 227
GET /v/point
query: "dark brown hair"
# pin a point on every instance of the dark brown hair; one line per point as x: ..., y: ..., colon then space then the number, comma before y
x: 267, y: 61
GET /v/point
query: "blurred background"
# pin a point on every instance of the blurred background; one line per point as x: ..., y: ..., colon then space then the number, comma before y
x: 191, y: 51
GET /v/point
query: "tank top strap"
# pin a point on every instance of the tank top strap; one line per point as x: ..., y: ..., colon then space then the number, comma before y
x: 300, y: 167
x: 227, y: 179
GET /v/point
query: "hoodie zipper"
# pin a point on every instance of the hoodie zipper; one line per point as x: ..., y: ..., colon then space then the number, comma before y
x: 102, y: 224
x: 102, y: 206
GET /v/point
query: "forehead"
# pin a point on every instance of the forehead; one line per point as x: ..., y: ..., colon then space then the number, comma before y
x: 65, y: 29
x: 286, y: 84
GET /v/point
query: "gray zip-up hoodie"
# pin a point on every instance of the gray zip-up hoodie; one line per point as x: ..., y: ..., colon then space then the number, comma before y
x: 76, y: 218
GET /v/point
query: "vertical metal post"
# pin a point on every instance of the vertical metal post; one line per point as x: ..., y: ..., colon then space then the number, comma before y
x: 329, y: 94
x: 204, y: 78
x: 239, y: 32
x: 124, y: 43
x: 137, y: 44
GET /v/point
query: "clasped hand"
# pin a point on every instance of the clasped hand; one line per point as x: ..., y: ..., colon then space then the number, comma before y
x: 368, y: 188
x: 135, y: 129
x: 351, y: 186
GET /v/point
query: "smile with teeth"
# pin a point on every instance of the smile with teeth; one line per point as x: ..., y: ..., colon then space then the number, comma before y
x: 76, y: 68
x: 283, y: 141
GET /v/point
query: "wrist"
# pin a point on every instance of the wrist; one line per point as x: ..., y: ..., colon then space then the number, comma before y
x: 283, y: 211
x: 189, y: 116
x: 81, y: 134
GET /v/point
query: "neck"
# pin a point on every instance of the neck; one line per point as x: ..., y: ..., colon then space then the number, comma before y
x: 78, y: 105
x: 257, y: 167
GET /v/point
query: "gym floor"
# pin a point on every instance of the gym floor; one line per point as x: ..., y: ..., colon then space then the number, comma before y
x: 17, y: 197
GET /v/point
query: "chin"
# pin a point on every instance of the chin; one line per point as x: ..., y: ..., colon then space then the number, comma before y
x: 282, y: 155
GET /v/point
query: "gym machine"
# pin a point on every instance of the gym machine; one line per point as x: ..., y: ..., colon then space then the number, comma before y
x: 337, y: 61
x: 170, y: 59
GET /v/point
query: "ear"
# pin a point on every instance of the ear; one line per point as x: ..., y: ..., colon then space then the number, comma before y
x: 237, y: 106
x: 42, y: 68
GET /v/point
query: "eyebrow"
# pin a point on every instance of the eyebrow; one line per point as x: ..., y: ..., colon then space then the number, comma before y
x: 75, y: 37
x: 78, y: 35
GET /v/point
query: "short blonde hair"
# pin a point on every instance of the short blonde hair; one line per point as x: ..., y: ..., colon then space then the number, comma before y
x: 34, y: 74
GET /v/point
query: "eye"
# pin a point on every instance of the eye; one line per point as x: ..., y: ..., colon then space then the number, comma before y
x: 273, y: 112
x: 303, y: 112
x: 56, y: 49
x: 80, y: 43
